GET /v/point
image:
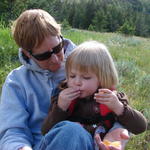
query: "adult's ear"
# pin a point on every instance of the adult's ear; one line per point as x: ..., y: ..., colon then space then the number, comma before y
x: 26, y: 53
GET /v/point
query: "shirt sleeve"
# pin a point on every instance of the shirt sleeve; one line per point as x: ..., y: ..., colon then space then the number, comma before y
x: 14, y: 130
x: 133, y: 120
x: 55, y: 115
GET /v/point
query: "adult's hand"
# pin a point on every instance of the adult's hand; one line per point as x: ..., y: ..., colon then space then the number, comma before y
x: 118, y: 134
x: 26, y: 148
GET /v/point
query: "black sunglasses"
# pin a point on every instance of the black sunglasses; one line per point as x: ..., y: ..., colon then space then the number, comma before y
x: 46, y: 55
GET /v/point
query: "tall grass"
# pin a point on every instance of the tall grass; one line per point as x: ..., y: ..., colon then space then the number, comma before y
x: 132, y: 59
x: 8, y: 53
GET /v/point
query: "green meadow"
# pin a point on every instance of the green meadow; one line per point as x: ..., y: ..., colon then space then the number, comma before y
x: 132, y: 58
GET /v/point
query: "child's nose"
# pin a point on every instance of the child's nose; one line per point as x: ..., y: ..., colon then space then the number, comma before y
x: 78, y: 82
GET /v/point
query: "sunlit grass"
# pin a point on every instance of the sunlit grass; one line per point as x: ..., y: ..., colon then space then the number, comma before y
x: 8, y: 53
x: 132, y: 59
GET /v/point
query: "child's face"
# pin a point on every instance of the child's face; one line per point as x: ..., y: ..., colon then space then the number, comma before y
x: 86, y: 82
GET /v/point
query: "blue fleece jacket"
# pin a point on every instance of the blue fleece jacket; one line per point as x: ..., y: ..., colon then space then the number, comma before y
x: 25, y: 100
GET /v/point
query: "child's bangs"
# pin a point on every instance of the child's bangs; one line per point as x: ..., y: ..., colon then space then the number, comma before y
x: 82, y: 64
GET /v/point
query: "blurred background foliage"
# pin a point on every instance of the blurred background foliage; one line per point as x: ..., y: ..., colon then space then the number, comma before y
x: 131, y: 17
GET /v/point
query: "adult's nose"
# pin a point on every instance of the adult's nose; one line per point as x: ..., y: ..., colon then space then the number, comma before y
x: 55, y: 58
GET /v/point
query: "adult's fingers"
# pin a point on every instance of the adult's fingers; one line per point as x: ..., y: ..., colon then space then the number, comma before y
x: 99, y: 143
x: 124, y: 135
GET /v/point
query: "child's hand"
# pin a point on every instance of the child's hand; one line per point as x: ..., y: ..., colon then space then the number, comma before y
x: 110, y: 99
x: 66, y: 96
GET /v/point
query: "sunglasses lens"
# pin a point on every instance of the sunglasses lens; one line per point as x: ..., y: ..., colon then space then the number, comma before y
x: 58, y: 48
x: 43, y: 56
x: 48, y: 54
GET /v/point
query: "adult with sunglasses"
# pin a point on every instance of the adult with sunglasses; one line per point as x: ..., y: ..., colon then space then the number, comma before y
x: 26, y: 93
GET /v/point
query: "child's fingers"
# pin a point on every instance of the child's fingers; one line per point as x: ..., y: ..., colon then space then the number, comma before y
x: 98, y: 95
x: 71, y: 90
x: 102, y: 100
x: 103, y: 95
x: 104, y: 91
x: 74, y: 95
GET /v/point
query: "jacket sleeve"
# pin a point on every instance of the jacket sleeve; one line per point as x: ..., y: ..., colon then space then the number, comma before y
x: 55, y: 115
x: 133, y: 120
x: 14, y: 131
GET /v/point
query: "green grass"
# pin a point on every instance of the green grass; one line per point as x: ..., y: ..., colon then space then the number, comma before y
x: 132, y: 58
x: 8, y: 53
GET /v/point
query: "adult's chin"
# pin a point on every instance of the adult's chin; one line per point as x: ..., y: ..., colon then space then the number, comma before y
x: 54, y: 68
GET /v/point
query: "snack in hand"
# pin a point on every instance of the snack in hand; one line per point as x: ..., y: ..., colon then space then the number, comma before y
x: 101, y: 92
x: 116, y: 144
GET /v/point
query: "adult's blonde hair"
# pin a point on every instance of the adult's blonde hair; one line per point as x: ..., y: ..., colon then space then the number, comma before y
x: 32, y: 27
x: 94, y: 56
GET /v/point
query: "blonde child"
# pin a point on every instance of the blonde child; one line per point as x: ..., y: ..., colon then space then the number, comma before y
x: 89, y: 95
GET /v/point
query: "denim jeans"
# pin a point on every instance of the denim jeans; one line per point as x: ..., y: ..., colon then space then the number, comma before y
x: 67, y: 135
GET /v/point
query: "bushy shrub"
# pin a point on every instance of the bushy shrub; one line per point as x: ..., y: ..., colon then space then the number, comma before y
x: 144, y: 86
x: 91, y: 27
x: 127, y: 29
x: 7, y: 67
x: 66, y: 25
x: 128, y: 69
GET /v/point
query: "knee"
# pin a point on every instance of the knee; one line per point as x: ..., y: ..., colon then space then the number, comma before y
x: 72, y: 127
x: 73, y: 132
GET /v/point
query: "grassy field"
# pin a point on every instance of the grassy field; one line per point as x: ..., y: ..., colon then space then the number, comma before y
x: 132, y: 58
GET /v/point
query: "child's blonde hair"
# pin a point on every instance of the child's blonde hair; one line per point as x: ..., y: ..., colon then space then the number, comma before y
x: 32, y: 27
x: 94, y: 56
